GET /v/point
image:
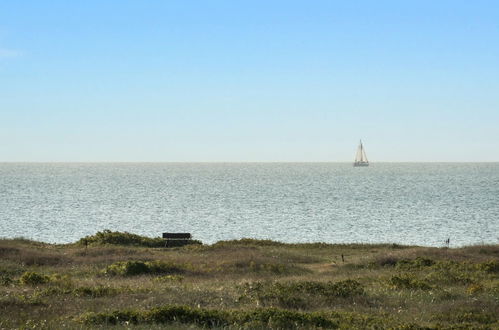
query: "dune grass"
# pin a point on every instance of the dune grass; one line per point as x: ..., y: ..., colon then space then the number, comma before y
x: 122, y: 280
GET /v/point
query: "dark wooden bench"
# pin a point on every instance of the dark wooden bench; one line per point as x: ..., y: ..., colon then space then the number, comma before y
x: 177, y: 239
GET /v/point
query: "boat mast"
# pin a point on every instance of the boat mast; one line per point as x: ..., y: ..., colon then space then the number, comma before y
x: 361, y: 157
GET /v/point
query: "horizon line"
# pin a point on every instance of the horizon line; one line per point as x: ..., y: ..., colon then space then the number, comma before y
x: 239, y: 162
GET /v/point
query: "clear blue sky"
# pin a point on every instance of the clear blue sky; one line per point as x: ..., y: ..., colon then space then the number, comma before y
x: 249, y: 80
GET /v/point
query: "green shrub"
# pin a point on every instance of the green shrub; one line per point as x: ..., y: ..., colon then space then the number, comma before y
x: 5, y: 280
x: 186, y: 314
x: 95, y: 292
x: 450, y: 277
x: 259, y: 318
x: 121, y: 238
x: 169, y: 278
x: 491, y: 266
x: 32, y: 278
x: 115, y: 317
x: 474, y: 289
x: 408, y: 282
x: 275, y: 318
x: 247, y: 242
x: 299, y: 294
x: 125, y: 238
x: 132, y: 268
x: 417, y: 263
x: 385, y: 261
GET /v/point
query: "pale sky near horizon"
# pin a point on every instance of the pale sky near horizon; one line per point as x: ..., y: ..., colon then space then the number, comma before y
x: 249, y: 80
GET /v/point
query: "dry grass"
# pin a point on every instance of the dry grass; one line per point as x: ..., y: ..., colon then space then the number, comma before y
x: 292, y: 277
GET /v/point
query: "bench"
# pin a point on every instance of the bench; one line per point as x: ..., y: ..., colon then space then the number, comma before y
x: 177, y: 239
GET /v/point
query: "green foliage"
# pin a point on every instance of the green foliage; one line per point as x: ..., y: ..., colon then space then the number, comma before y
x: 115, y: 317
x: 289, y: 283
x: 121, y: 238
x: 272, y: 318
x: 474, y: 289
x: 247, y: 242
x: 408, y: 282
x: 125, y: 238
x: 185, y: 314
x: 299, y: 294
x: 33, y: 278
x: 132, y: 268
x: 33, y: 300
x: 418, y: 263
x: 97, y: 291
x: 491, y: 266
x: 385, y: 261
x: 5, y: 280
x: 182, y: 242
x: 275, y: 318
x: 169, y: 278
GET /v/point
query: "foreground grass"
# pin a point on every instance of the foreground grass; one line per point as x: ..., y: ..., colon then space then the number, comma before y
x: 123, y: 280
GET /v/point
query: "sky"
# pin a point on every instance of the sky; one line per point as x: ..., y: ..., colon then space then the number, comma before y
x: 249, y: 81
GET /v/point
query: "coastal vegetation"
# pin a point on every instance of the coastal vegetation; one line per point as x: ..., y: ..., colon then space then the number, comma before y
x: 123, y: 280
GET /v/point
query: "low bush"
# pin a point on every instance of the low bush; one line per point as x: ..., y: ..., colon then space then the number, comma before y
x: 5, y: 280
x: 125, y: 238
x: 115, y: 317
x: 449, y: 277
x: 33, y: 278
x: 474, y: 289
x: 185, y: 314
x: 169, y: 278
x: 247, y: 242
x: 299, y: 294
x: 408, y: 282
x: 418, y: 263
x: 385, y: 261
x: 275, y: 318
x: 491, y: 266
x: 259, y: 318
x: 121, y: 238
x: 97, y: 291
x: 132, y: 268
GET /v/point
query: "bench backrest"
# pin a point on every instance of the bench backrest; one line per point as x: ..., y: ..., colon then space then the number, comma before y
x: 177, y: 235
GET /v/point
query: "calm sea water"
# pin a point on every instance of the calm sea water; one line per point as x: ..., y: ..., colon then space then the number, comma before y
x: 411, y: 203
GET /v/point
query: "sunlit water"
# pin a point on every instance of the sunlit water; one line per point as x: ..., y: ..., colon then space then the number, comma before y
x: 412, y: 203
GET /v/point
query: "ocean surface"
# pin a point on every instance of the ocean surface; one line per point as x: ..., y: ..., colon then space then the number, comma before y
x: 407, y: 203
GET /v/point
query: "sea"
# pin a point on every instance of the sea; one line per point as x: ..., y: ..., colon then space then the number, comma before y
x: 404, y: 203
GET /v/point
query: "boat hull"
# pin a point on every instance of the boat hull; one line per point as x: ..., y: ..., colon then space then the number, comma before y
x: 360, y: 164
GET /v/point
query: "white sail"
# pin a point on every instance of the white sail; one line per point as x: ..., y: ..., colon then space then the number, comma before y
x: 364, y: 157
x: 360, y: 157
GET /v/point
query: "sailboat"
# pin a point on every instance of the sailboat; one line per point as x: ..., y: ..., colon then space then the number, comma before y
x: 360, y: 157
